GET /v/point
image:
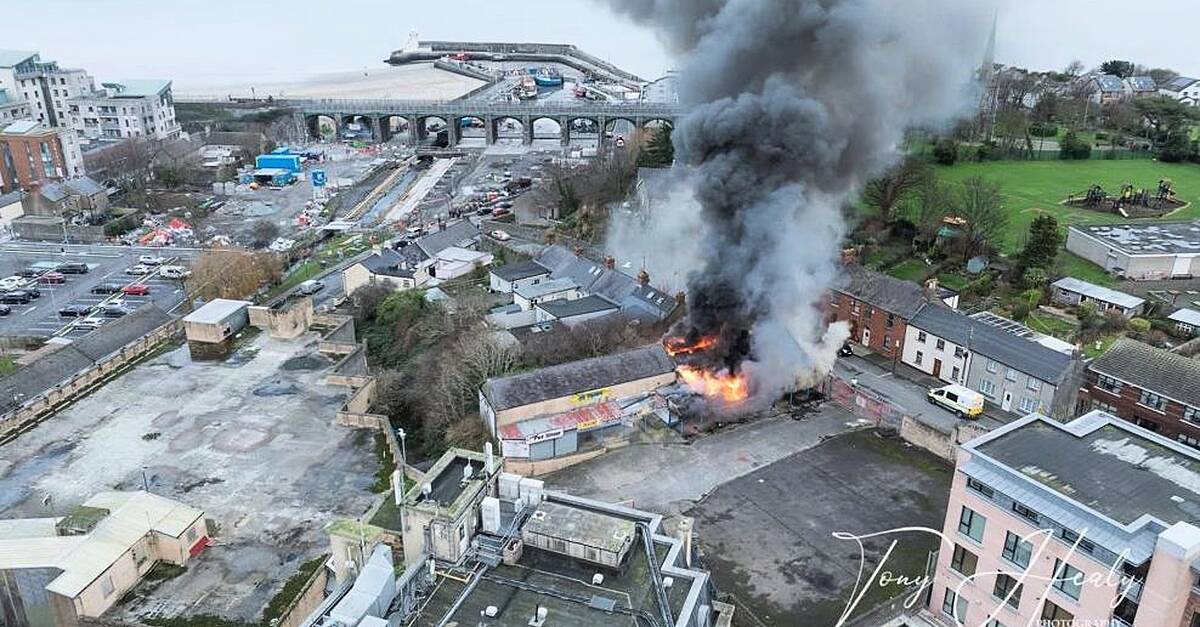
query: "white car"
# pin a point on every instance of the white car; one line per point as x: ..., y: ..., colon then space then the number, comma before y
x: 139, y: 270
x: 175, y: 272
x: 89, y: 323
x: 11, y: 283
x: 501, y: 235
x: 151, y: 260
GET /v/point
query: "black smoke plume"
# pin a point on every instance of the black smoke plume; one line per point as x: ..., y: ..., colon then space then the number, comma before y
x: 792, y: 104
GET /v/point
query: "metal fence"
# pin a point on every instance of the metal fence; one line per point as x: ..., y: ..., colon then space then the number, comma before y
x: 864, y: 402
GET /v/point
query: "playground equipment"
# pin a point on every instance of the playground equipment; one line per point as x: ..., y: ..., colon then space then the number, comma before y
x: 1131, y: 201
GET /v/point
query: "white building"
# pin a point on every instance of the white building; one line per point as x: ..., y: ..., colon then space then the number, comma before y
x: 1183, y: 89
x: 126, y: 109
x: 1186, y: 320
x: 1073, y: 291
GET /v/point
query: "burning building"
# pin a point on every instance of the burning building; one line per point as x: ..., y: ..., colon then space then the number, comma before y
x: 792, y: 105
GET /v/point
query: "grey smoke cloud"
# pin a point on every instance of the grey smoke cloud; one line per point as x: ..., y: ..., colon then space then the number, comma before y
x: 793, y: 104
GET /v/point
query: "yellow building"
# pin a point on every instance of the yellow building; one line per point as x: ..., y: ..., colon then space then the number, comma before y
x: 53, y: 571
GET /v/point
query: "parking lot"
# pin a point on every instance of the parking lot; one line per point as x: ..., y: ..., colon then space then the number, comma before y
x: 106, y: 265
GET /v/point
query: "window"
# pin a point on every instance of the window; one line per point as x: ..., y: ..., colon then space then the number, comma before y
x: 954, y: 373
x: 963, y: 561
x: 993, y: 367
x: 987, y: 388
x: 953, y: 606
x: 980, y: 487
x: 971, y: 524
x: 1190, y: 414
x: 887, y: 341
x: 1067, y: 579
x: 1011, y: 375
x: 1025, y: 512
x: 1004, y: 586
x: 919, y: 357
x: 191, y: 534
x: 1188, y: 440
x: 1033, y: 384
x: 1108, y: 384
x: 941, y: 344
x: 891, y: 321
x: 1056, y: 615
x: 1016, y: 550
x: 1152, y: 400
x: 959, y: 352
x: 1104, y: 407
x: 921, y: 336
x: 1028, y: 405
x: 106, y: 586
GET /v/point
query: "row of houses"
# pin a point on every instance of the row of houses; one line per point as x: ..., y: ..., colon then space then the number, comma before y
x: 448, y: 253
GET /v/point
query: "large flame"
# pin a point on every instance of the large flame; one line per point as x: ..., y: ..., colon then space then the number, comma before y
x: 724, y: 386
x: 680, y: 346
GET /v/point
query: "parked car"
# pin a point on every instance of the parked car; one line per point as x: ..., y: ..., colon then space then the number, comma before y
x: 33, y: 291
x: 500, y: 211
x: 152, y: 260
x: 5, y: 310
x: 174, y: 272
x: 90, y: 324
x: 29, y: 273
x: 11, y: 282
x: 107, y: 288
x: 15, y: 297
x: 137, y: 289
x: 52, y: 278
x: 308, y: 288
x: 139, y: 270
x: 962, y: 401
x: 503, y: 236
x: 73, y: 267
x: 74, y: 311
x: 113, y: 310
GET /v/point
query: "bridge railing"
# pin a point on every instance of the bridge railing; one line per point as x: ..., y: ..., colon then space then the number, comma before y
x: 468, y: 107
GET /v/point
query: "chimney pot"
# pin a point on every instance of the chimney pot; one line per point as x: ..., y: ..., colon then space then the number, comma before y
x: 578, y: 250
x: 610, y: 263
x: 643, y: 277
x: 849, y: 256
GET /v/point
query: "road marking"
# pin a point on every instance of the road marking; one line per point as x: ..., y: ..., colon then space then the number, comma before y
x: 28, y: 310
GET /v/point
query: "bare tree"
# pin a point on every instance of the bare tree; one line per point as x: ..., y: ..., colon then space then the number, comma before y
x: 230, y: 273
x: 981, y: 206
x: 1074, y: 69
x: 885, y: 192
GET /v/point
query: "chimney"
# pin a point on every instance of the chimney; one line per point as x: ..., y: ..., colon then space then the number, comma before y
x: 578, y: 250
x: 489, y: 462
x: 849, y: 256
x: 610, y: 263
x: 931, y: 289
x: 643, y: 278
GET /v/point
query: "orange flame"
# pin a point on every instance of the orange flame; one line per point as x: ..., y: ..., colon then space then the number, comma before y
x: 679, y: 346
x: 731, y: 388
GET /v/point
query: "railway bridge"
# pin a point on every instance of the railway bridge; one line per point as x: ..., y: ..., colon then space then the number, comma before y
x: 380, y: 116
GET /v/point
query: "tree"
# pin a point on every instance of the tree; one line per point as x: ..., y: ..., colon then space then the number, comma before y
x: 1162, y: 76
x: 229, y: 273
x: 981, y: 205
x: 264, y: 231
x: 1042, y: 246
x: 885, y: 192
x: 1071, y: 147
x: 945, y: 151
x: 1165, y: 116
x: 1115, y: 67
x: 659, y: 151
x: 1073, y: 69
x: 927, y: 206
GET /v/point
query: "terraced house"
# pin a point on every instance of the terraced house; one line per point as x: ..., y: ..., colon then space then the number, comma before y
x: 878, y: 307
x: 1151, y: 387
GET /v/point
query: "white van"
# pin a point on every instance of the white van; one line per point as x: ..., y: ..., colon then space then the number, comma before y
x: 174, y: 272
x: 308, y: 288
x: 965, y: 402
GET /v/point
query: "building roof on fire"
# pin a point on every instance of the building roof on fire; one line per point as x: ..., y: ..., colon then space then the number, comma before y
x: 979, y: 337
x: 1155, y: 369
x: 903, y: 298
x: 577, y: 376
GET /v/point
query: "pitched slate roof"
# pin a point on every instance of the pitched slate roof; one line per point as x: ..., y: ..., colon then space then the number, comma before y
x: 54, y: 192
x: 616, y: 286
x: 1091, y: 290
x: 978, y: 337
x: 1154, y: 369
x: 903, y: 298
x: 388, y: 262
x: 84, y: 186
x: 520, y: 270
x: 577, y: 376
x: 1142, y: 83
x: 462, y: 234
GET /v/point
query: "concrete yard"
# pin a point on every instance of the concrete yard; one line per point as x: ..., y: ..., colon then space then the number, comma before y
x: 767, y: 536
x: 251, y: 441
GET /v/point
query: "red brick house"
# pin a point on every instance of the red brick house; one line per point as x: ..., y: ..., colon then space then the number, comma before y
x: 877, y: 306
x: 1151, y: 387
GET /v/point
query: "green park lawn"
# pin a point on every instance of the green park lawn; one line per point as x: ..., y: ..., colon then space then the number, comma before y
x: 1034, y: 187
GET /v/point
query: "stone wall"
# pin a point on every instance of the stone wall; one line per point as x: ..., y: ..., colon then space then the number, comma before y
x: 309, y: 599
x: 287, y: 321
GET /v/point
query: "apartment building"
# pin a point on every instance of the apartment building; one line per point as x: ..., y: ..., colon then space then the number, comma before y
x: 1083, y: 523
x: 32, y: 155
x: 1151, y: 387
x: 12, y: 108
x: 144, y: 108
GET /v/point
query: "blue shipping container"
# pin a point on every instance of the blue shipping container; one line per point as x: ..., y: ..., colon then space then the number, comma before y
x: 291, y: 163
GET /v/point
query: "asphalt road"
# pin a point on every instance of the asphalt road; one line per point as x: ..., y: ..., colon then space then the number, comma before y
x: 106, y: 264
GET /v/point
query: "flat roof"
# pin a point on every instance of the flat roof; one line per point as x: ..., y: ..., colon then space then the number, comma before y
x: 563, y: 308
x: 1186, y: 316
x: 546, y: 288
x: 1147, y: 238
x: 1091, y: 290
x: 216, y: 310
x: 520, y: 270
x: 83, y: 558
x: 581, y: 526
x: 138, y: 88
x: 445, y: 479
x: 1104, y: 463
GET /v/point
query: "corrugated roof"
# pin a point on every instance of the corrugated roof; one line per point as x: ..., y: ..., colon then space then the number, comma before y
x: 1154, y: 369
x: 577, y: 376
x: 1014, y: 351
x: 1091, y: 290
x: 1186, y: 316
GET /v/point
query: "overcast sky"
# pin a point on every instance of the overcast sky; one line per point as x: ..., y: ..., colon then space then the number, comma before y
x: 220, y: 42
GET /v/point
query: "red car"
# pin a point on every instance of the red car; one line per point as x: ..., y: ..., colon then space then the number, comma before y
x: 137, y: 289
x: 52, y: 278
